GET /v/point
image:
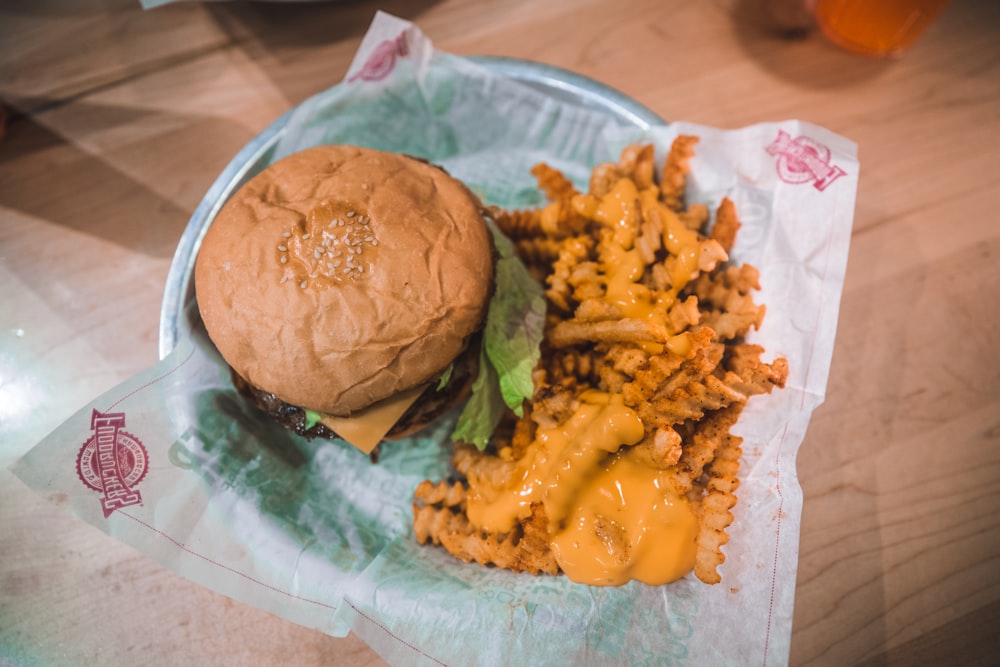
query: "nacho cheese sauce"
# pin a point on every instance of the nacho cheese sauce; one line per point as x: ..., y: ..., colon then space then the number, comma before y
x: 623, y: 263
x: 612, y: 518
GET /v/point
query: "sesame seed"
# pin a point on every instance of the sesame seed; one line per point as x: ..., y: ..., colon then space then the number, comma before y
x: 346, y: 270
x: 361, y: 269
x: 374, y: 242
x: 369, y: 239
x: 319, y: 251
x: 283, y: 248
x: 287, y: 235
x: 284, y: 258
x: 303, y: 284
x: 351, y: 214
x: 283, y: 279
x: 305, y: 237
x: 335, y: 263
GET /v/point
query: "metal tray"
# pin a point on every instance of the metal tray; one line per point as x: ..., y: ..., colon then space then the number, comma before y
x: 558, y: 83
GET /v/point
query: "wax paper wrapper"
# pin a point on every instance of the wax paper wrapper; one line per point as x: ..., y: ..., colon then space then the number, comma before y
x: 176, y: 464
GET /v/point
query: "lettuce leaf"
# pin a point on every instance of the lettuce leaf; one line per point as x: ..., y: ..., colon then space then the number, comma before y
x: 512, y: 337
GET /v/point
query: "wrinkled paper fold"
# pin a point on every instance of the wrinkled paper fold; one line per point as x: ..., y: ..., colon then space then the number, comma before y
x: 314, y: 533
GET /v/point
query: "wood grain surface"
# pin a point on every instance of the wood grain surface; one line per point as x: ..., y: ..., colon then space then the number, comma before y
x: 118, y: 119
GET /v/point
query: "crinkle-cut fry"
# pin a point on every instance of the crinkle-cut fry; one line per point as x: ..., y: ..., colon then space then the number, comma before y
x: 662, y: 370
x: 573, y: 365
x: 694, y: 217
x: 596, y: 309
x: 481, y: 468
x: 627, y: 358
x: 610, y: 378
x: 673, y: 181
x: 688, y: 393
x: 431, y: 521
x: 559, y: 218
x: 741, y: 357
x: 710, y: 255
x: 726, y: 302
x: 726, y: 225
x: 604, y: 177
x: 538, y: 253
x: 713, y: 393
x: 554, y: 404
x: 684, y: 315
x: 572, y: 251
x: 440, y: 493
x: 706, y: 361
x: 625, y: 330
x: 523, y: 549
x: 649, y: 242
x: 744, y: 316
x: 553, y: 183
x: 714, y: 511
x: 636, y: 162
x: 712, y: 289
x: 524, y: 435
x: 518, y: 223
x: 659, y: 449
x: 701, y: 446
x: 586, y: 280
x: 657, y: 278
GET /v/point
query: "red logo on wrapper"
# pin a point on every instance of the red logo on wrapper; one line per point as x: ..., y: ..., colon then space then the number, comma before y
x: 383, y: 59
x: 801, y: 160
x: 112, y: 462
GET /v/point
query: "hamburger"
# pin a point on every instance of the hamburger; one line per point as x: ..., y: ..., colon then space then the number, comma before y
x: 348, y: 290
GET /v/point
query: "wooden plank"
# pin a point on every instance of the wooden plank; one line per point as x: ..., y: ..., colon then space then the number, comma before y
x: 970, y: 641
x: 52, y: 51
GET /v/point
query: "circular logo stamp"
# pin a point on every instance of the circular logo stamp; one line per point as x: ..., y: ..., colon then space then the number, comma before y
x: 132, y: 461
x: 112, y: 462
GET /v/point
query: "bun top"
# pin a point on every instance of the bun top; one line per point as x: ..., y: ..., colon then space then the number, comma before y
x: 340, y: 276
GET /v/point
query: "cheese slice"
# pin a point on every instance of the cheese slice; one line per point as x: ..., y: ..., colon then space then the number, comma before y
x: 366, y: 428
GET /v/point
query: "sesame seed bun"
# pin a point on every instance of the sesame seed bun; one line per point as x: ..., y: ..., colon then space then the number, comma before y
x: 340, y: 276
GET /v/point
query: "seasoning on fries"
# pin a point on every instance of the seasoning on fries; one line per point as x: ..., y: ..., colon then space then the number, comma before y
x: 622, y: 465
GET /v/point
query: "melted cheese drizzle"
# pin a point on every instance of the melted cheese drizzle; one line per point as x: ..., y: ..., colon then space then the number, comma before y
x: 623, y: 265
x: 611, y: 518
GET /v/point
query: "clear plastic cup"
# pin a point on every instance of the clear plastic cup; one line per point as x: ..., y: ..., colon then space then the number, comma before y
x: 877, y: 28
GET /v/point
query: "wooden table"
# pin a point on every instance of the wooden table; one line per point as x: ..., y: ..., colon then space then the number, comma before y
x: 119, y: 119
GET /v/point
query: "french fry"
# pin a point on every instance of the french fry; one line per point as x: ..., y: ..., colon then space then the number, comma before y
x: 645, y: 307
